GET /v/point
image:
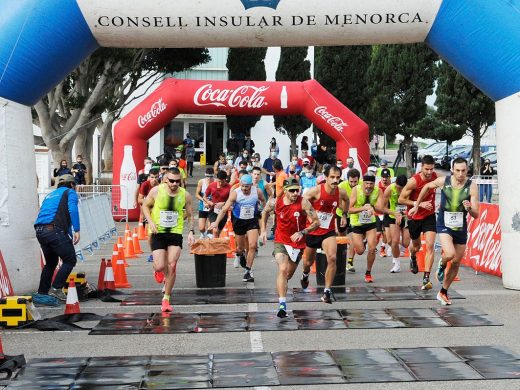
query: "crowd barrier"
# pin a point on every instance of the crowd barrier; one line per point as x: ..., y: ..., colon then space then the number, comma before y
x: 487, y: 188
x: 114, y: 195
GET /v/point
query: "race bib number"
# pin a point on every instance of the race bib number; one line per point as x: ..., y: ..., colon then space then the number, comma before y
x: 453, y: 220
x: 168, y: 219
x: 365, y: 217
x: 402, y: 208
x: 217, y: 211
x: 325, y: 219
x: 292, y: 252
x: 247, y: 212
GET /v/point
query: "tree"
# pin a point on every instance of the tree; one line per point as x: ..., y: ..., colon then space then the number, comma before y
x: 292, y: 66
x: 102, y: 83
x: 463, y: 104
x: 400, y: 78
x: 245, y: 64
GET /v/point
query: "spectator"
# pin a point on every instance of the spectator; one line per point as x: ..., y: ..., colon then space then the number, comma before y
x: 256, y: 161
x: 220, y: 164
x: 280, y: 177
x: 63, y: 169
x: 188, y: 141
x: 232, y: 145
x: 415, y: 150
x: 268, y: 165
x: 296, y: 163
x: 307, y: 180
x: 383, y: 164
x: 350, y: 165
x: 486, y: 190
x: 142, y: 175
x: 322, y: 155
x: 245, y: 156
x: 304, y: 145
x: 190, y: 158
x: 249, y: 145
x: 79, y: 170
x: 274, y: 145
x: 181, y: 163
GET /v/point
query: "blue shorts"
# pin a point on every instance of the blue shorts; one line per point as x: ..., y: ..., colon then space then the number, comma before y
x: 460, y: 237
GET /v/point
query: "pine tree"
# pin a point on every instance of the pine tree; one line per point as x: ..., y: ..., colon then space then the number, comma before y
x: 292, y: 66
x: 463, y: 104
x: 245, y: 64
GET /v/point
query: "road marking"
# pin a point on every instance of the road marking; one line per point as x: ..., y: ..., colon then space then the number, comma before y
x: 256, y: 340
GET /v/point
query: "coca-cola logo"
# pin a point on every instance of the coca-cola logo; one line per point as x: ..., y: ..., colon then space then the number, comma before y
x: 158, y: 107
x: 334, y: 121
x: 484, y: 243
x: 131, y: 176
x: 244, y: 96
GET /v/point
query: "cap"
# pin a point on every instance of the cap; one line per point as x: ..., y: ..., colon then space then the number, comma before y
x: 372, y: 168
x: 66, y: 179
x: 383, y: 162
x: 180, y: 147
x: 306, y: 160
x: 369, y: 178
x: 385, y: 172
x: 246, y: 180
x: 290, y: 183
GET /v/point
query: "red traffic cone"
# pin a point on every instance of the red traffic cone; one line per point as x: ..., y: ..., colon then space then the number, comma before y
x: 101, y: 277
x: 109, y: 277
x: 135, y: 241
x: 72, y: 304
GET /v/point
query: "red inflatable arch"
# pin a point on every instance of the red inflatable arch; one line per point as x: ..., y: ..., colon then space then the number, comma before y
x: 175, y: 97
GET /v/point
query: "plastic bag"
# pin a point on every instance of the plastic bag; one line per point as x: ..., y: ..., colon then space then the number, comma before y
x: 211, y: 246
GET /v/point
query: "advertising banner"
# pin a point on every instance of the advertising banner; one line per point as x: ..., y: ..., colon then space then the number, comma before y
x: 483, y: 252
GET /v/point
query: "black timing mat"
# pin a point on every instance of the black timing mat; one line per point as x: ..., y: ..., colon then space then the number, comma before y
x: 262, y: 295
x: 270, y: 369
x: 164, y: 323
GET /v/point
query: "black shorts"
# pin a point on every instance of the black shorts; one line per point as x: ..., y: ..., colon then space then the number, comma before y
x: 460, y: 237
x: 344, y: 229
x: 213, y: 217
x: 164, y: 240
x: 387, y: 221
x: 315, y: 242
x: 203, y: 214
x: 418, y: 226
x: 242, y: 226
x: 363, y: 229
x: 379, y: 224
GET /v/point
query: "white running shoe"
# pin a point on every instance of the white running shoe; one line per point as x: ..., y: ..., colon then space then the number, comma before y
x: 396, y: 268
x: 236, y: 263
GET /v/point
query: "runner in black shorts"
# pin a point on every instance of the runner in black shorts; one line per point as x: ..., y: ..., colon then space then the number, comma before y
x: 215, y: 197
x: 204, y: 207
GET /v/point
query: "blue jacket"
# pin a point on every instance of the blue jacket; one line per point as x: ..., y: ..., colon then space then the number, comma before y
x: 60, y: 208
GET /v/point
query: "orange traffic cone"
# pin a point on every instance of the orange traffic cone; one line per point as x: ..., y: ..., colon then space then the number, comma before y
x: 127, y: 229
x: 141, y: 231
x: 135, y: 241
x: 72, y: 304
x: 120, y: 279
x: 101, y: 277
x: 109, y: 277
x: 121, y: 254
x: 129, y: 249
x: 421, y: 255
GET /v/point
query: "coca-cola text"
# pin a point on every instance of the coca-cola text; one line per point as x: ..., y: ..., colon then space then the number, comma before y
x: 334, y: 121
x: 244, y: 96
x: 158, y: 107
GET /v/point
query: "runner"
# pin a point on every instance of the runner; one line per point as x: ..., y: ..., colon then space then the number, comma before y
x: 395, y: 220
x: 216, y: 196
x: 165, y: 208
x: 204, y: 207
x: 383, y: 233
x: 325, y: 199
x: 220, y: 164
x: 353, y: 176
x: 459, y: 197
x: 423, y: 221
x: 144, y: 190
x: 365, y: 201
x: 244, y: 216
x: 289, y: 236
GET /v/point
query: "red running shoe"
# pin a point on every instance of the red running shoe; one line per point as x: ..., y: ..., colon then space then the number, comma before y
x: 166, y: 307
x: 159, y: 276
x: 368, y: 278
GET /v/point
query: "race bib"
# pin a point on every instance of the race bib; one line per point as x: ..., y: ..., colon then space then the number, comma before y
x: 292, y: 252
x: 453, y: 220
x: 365, y: 217
x: 217, y: 211
x: 325, y: 219
x: 206, y: 207
x: 402, y: 208
x: 168, y: 219
x: 247, y: 212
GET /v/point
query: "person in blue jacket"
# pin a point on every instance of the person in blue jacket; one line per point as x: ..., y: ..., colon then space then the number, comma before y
x: 57, y: 230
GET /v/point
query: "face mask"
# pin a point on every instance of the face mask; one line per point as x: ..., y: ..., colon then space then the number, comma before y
x: 249, y: 168
x: 245, y: 155
x: 178, y: 155
x: 273, y: 154
x: 308, y: 174
x: 351, y: 165
x: 294, y: 162
x: 339, y: 165
x: 64, y: 165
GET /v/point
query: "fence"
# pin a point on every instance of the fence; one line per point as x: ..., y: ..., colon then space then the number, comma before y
x: 487, y: 188
x: 115, y: 193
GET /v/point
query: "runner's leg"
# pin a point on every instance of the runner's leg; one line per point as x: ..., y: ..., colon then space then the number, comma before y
x: 330, y: 247
x: 371, y: 243
x: 252, y: 242
x: 174, y: 252
x: 454, y: 266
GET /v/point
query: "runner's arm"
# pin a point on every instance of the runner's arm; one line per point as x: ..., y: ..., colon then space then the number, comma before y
x: 261, y: 197
x: 148, y: 203
x: 269, y: 208
x: 205, y: 197
x: 474, y: 209
x: 189, y: 217
x: 437, y: 183
x: 404, y: 198
x: 379, y: 206
x: 232, y: 199
x: 312, y: 216
x: 385, y: 201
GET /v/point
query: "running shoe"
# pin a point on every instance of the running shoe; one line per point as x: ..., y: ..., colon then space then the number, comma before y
x: 243, y: 261
x: 426, y: 284
x: 368, y: 278
x: 282, y: 310
x: 270, y: 237
x: 443, y: 299
x: 440, y: 271
x: 248, y: 277
x: 236, y: 263
x: 304, y: 281
x: 166, y: 307
x: 58, y: 294
x: 382, y: 253
x: 150, y: 259
x: 326, y: 297
x: 413, y: 265
x: 159, y: 276
x: 396, y: 268
x: 350, y: 267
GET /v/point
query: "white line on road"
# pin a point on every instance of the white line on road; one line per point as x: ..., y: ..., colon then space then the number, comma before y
x: 256, y: 340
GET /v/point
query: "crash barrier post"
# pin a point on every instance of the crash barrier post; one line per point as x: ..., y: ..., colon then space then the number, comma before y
x: 114, y: 193
x: 487, y: 188
x: 341, y: 264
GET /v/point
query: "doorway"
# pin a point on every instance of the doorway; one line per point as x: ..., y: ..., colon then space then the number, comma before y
x: 215, y: 141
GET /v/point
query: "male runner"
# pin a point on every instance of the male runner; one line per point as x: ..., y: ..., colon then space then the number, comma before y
x: 395, y: 220
x: 365, y: 201
x: 216, y: 196
x: 244, y: 216
x: 423, y: 221
x: 289, y: 242
x: 383, y: 232
x: 204, y: 207
x: 165, y: 208
x: 352, y: 180
x: 459, y: 197
x: 325, y: 199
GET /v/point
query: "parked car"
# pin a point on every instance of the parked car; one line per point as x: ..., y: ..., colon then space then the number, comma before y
x: 463, y: 151
x: 431, y: 149
x: 491, y: 155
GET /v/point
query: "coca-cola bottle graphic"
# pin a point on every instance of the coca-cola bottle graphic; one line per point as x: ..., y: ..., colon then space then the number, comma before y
x: 283, y: 97
x: 128, y: 180
x: 352, y: 152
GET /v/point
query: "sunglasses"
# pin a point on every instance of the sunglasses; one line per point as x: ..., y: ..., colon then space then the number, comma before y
x: 293, y: 190
x: 174, y: 181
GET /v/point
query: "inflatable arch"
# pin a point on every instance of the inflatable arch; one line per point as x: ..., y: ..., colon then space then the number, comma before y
x: 43, y: 40
x: 175, y: 97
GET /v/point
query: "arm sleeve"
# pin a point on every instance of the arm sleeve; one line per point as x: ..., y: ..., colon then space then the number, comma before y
x: 73, y: 210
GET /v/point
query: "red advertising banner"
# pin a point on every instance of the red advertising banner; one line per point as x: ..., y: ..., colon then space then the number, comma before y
x: 483, y: 252
x: 6, y: 289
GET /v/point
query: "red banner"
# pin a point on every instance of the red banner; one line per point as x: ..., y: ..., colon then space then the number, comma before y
x: 483, y: 252
x: 6, y: 289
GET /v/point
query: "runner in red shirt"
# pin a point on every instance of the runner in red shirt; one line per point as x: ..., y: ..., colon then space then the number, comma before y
x: 423, y: 221
x: 215, y: 197
x: 294, y: 211
x: 325, y: 198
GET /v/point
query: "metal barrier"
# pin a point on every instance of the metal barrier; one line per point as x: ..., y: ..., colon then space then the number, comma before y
x: 487, y: 188
x: 114, y: 193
